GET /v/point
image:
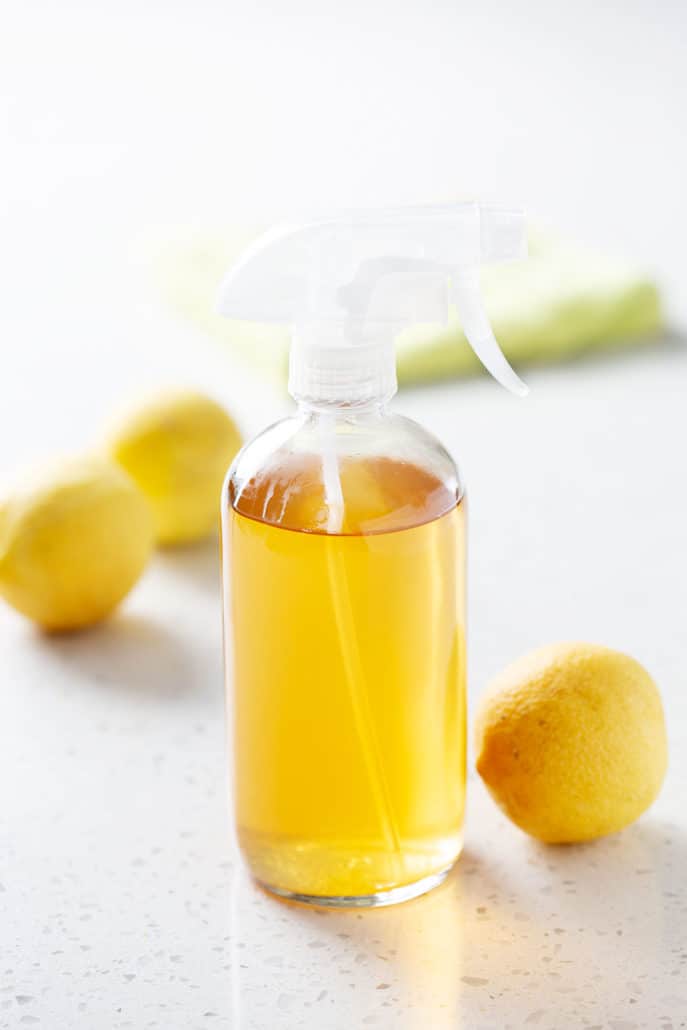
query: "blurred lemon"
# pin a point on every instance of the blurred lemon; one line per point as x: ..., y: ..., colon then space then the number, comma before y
x: 73, y: 542
x: 177, y: 447
x: 571, y: 741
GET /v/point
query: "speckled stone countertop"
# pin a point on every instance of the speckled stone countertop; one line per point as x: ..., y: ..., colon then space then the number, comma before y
x: 121, y: 904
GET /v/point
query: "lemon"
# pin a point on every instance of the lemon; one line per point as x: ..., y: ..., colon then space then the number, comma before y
x: 571, y: 741
x: 177, y: 447
x: 73, y: 542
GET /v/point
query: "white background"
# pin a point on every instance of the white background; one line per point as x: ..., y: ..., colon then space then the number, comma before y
x: 124, y: 122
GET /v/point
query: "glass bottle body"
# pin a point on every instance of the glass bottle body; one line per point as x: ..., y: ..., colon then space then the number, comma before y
x: 344, y: 579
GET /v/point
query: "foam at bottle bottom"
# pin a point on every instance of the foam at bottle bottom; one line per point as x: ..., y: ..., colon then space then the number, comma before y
x: 352, y: 873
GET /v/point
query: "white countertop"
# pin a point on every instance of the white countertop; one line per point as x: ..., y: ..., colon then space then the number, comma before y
x: 120, y: 904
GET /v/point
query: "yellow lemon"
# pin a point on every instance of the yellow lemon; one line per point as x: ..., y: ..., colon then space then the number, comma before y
x: 177, y: 447
x: 73, y: 542
x: 571, y: 741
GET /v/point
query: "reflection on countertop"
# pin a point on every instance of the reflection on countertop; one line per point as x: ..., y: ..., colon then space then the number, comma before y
x: 546, y: 937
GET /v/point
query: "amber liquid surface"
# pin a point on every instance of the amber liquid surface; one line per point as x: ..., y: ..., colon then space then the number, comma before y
x: 346, y: 669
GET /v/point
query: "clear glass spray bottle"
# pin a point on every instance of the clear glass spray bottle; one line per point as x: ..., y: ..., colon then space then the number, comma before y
x: 343, y: 537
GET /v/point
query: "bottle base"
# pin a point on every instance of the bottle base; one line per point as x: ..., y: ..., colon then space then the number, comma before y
x: 392, y: 896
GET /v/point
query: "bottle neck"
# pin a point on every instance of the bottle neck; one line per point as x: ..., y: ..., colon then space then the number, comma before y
x: 365, y: 412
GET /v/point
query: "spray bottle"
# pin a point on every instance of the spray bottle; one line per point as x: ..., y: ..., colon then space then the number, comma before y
x: 343, y: 537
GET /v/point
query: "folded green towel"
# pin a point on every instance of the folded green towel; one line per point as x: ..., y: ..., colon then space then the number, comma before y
x: 563, y: 300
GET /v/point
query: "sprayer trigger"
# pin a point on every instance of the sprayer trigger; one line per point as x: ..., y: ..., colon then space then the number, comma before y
x: 480, y: 336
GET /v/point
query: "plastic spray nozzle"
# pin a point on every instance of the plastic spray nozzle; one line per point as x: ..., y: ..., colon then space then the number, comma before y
x: 348, y: 284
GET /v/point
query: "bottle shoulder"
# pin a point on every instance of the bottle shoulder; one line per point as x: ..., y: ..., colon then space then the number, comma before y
x: 389, y: 435
x: 383, y: 470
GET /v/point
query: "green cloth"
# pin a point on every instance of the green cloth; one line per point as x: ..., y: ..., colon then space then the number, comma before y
x: 563, y: 300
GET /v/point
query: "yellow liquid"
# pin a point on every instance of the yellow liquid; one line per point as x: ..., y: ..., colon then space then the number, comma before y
x: 348, y: 680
